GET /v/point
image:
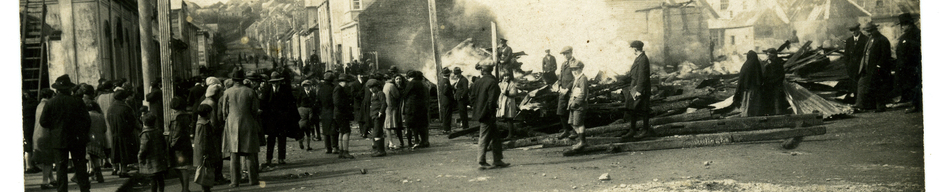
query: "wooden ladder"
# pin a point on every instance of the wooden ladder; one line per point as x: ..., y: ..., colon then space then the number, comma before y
x: 33, y: 47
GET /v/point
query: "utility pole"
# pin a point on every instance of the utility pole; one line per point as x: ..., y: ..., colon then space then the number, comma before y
x: 432, y: 14
x: 166, y: 64
x: 151, y: 70
x: 495, y: 53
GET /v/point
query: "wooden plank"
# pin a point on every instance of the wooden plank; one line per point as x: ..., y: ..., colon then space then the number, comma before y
x: 463, y: 132
x: 554, y: 142
x: 738, y: 124
x: 702, y: 140
x: 614, y: 129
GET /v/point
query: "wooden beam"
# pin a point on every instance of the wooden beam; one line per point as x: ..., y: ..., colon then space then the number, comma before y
x: 738, y: 124
x: 614, y: 129
x: 555, y: 142
x: 702, y: 140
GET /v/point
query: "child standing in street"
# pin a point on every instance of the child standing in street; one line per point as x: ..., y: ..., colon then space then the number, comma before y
x: 153, y: 155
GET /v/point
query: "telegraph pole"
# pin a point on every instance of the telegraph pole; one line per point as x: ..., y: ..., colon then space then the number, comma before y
x: 151, y: 70
x: 495, y: 53
x: 166, y: 65
x: 432, y: 14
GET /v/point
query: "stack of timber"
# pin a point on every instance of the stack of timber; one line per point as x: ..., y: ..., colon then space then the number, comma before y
x: 718, y: 132
x: 613, y: 130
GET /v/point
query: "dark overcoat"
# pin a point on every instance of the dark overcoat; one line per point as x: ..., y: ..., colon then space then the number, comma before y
x: 415, y: 108
x: 124, y: 128
x: 484, y: 96
x: 325, y: 97
x: 67, y: 120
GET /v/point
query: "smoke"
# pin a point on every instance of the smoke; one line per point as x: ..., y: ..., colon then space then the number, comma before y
x: 587, y: 26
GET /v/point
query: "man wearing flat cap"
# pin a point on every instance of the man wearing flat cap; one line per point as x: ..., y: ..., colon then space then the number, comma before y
x: 576, y: 103
x: 564, y: 86
x: 549, y: 65
x: 484, y: 95
x: 504, y: 53
x: 774, y: 101
x: 874, y: 71
x: 637, y: 95
x: 68, y: 122
x: 908, y: 82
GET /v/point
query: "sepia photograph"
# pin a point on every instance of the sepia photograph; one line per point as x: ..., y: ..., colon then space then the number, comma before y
x: 470, y: 95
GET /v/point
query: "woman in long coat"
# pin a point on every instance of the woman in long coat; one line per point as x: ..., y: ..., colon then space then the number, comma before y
x: 43, y: 154
x: 415, y: 108
x: 749, y: 86
x: 240, y: 107
x: 98, y: 141
x: 393, y: 121
x: 124, y: 126
x: 206, y: 152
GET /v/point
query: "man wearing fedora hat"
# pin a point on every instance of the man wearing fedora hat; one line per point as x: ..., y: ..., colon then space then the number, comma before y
x: 908, y: 67
x: 325, y: 97
x: 282, y: 118
x: 447, y: 100
x: 68, y: 122
x: 461, y: 95
x: 874, y: 71
x: 240, y: 107
x: 854, y: 48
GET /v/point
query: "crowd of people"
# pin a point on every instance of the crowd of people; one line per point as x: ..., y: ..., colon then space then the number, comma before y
x: 231, y: 118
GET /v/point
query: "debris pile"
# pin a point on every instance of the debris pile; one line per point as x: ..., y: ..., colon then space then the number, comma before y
x: 690, y: 107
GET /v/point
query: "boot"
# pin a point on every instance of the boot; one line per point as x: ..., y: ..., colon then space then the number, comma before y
x: 629, y: 134
x: 564, y: 134
x: 301, y: 142
x: 581, y: 143
x: 342, y: 154
x: 346, y: 155
x: 98, y: 176
x: 379, y: 145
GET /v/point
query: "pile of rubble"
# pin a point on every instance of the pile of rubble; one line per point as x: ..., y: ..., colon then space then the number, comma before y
x: 690, y: 108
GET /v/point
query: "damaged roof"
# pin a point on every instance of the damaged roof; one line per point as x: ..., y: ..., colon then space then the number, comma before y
x: 750, y: 17
x: 817, y: 10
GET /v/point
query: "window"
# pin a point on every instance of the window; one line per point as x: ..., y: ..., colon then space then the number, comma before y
x: 879, y: 3
x: 724, y: 5
x: 356, y: 4
x: 732, y: 40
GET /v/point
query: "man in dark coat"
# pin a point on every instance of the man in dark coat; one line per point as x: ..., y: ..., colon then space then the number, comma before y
x: 447, y: 100
x: 874, y: 71
x: 155, y: 99
x: 908, y: 68
x: 775, y: 99
x: 283, y: 116
x: 485, y: 94
x: 854, y: 50
x: 549, y: 65
x: 415, y: 108
x: 68, y: 121
x: 564, y: 86
x: 325, y: 97
x: 361, y: 97
x: 638, y: 94
x: 343, y: 114
x: 462, y: 96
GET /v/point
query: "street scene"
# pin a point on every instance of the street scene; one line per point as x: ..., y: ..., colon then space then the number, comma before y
x: 472, y: 95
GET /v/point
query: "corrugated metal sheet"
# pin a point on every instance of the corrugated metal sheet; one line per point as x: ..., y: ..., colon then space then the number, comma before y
x: 803, y: 101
